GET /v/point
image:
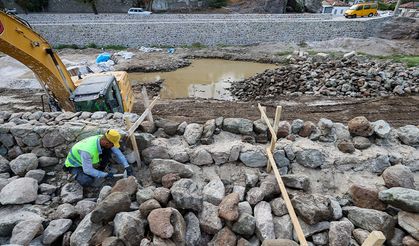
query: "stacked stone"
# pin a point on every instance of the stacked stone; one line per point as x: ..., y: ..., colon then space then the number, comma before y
x: 350, y: 76
x: 186, y: 199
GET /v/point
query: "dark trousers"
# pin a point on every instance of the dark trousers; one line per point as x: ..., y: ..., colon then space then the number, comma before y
x: 87, y: 180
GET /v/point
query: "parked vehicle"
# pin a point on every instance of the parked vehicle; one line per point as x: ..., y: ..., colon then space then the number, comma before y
x: 361, y: 10
x: 138, y: 11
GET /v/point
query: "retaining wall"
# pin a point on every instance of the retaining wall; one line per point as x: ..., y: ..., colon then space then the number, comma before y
x: 177, y: 30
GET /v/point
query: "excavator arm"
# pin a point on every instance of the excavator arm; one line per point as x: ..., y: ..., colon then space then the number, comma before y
x: 18, y: 40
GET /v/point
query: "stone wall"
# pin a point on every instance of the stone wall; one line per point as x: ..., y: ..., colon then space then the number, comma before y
x: 177, y: 30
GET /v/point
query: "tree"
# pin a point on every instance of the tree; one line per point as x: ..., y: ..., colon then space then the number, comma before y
x: 92, y: 3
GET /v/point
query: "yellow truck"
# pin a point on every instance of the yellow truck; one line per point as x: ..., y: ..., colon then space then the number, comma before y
x: 361, y: 10
x: 110, y: 91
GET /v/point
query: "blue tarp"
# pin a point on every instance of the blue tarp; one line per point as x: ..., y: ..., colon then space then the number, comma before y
x: 104, y: 57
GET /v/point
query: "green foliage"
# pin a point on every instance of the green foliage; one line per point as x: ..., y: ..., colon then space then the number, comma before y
x: 385, y: 6
x: 92, y: 3
x: 217, y: 3
x: 91, y: 45
x: 66, y: 46
x: 410, y: 61
x: 33, y: 5
x: 194, y: 46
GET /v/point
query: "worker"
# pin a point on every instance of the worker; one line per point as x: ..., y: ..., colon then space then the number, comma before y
x: 88, y: 158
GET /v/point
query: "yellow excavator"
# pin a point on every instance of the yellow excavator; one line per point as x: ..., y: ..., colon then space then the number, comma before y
x: 108, y: 91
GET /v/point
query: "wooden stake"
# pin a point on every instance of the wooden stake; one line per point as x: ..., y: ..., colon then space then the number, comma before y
x: 376, y: 238
x: 142, y: 117
x: 133, y: 142
x: 284, y: 193
x: 147, y: 103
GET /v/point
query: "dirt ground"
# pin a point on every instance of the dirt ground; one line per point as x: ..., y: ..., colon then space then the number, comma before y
x: 18, y: 90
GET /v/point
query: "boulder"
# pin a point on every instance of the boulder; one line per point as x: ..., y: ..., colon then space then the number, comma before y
x: 284, y: 129
x: 169, y: 127
x: 360, y: 126
x: 283, y: 227
x: 144, y: 140
x: 312, y: 158
x: 259, y: 126
x: 145, y: 194
x: 296, y: 126
x: 244, y: 207
x: 52, y: 139
x: 148, y: 206
x: 193, y: 133
x: 208, y: 219
x: 371, y: 220
x: 193, y: 231
x: 240, y: 190
x: 12, y: 215
x: 381, y: 128
x: 409, y: 222
x: 84, y: 207
x: 169, y: 179
x: 37, y: 174
x: 155, y: 152
x: 340, y: 233
x: 214, y: 192
x: 200, y: 156
x: 398, y: 176
x: 168, y: 223
x: 410, y: 241
x: 346, y: 146
x: 7, y: 140
x: 245, y: 225
x: 55, y: 229
x: 207, y: 134
x: 19, y: 191
x: 65, y: 211
x: 312, y: 208
x: 238, y: 126
x: 129, y: 228
x: 300, y: 182
x: 84, y: 232
x: 264, y: 221
x: 162, y: 195
x: 361, y: 142
x: 4, y: 165
x: 25, y: 231
x: 229, y: 207
x: 71, y: 193
x: 160, y: 167
x: 397, y: 238
x: 107, y: 209
x: 366, y: 197
x: 255, y: 195
x: 380, y: 163
x: 128, y: 185
x: 279, y: 242
x: 310, y: 230
x: 224, y: 237
x: 278, y: 207
x: 403, y: 198
x: 24, y: 163
x: 409, y: 134
x: 113, y: 241
x: 360, y: 235
x: 253, y: 156
x: 45, y: 161
x: 187, y: 195
x: 104, y: 192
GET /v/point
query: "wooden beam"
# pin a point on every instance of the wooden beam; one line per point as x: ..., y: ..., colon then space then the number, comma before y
x: 142, y: 117
x: 147, y: 103
x: 273, y: 143
x: 376, y: 238
x: 264, y: 117
x: 290, y: 208
x: 133, y: 142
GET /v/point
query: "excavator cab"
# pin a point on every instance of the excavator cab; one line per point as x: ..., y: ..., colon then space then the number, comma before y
x: 98, y: 93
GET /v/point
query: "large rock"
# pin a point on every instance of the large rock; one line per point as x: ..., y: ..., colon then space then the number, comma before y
x: 4, y: 165
x: 24, y: 163
x: 310, y: 230
x: 71, y: 193
x: 114, y: 203
x: 340, y: 233
x: 255, y: 195
x: 19, y: 191
x: 84, y: 232
x: 283, y: 227
x: 409, y: 222
x: 238, y: 126
x: 360, y: 126
x: 224, y: 237
x: 371, y: 220
x: 46, y: 161
x: 310, y: 158
x: 193, y: 133
x: 361, y: 142
x: 279, y: 242
x: 187, y: 194
x: 128, y: 185
x: 25, y: 231
x: 148, y: 206
x: 264, y: 221
x: 278, y: 207
x: 294, y: 181
x: 162, y: 195
x: 65, y: 211
x: 200, y: 157
x: 366, y: 197
x: 313, y: 208
x: 169, y: 127
x: 253, y: 156
x: 52, y: 139
x: 193, y: 231
x: 313, y: 6
x: 214, y: 191
x: 169, y: 179
x: 208, y: 219
x: 168, y: 223
x: 155, y: 152
x: 39, y: 175
x: 145, y: 194
x: 403, y: 198
x: 84, y: 207
x: 12, y: 215
x: 409, y: 134
x: 160, y: 167
x: 398, y: 176
x: 381, y: 128
x: 55, y: 229
x: 129, y: 228
x: 245, y: 225
x: 229, y: 207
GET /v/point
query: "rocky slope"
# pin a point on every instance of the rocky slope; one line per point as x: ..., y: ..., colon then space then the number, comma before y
x: 206, y: 184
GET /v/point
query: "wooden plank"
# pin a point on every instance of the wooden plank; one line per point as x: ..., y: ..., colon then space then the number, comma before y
x: 133, y: 142
x: 147, y: 103
x: 278, y: 112
x: 142, y: 117
x: 264, y: 117
x: 376, y: 238
x: 290, y: 208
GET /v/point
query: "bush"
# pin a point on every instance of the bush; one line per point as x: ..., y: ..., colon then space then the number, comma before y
x: 384, y: 6
x: 217, y: 3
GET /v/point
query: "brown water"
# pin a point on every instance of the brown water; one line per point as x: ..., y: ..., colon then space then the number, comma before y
x: 204, y: 78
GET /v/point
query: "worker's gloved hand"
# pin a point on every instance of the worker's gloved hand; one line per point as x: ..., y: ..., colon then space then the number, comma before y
x: 129, y: 170
x: 109, y: 176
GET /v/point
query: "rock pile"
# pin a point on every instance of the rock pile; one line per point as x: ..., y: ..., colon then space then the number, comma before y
x: 205, y: 184
x: 352, y: 76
